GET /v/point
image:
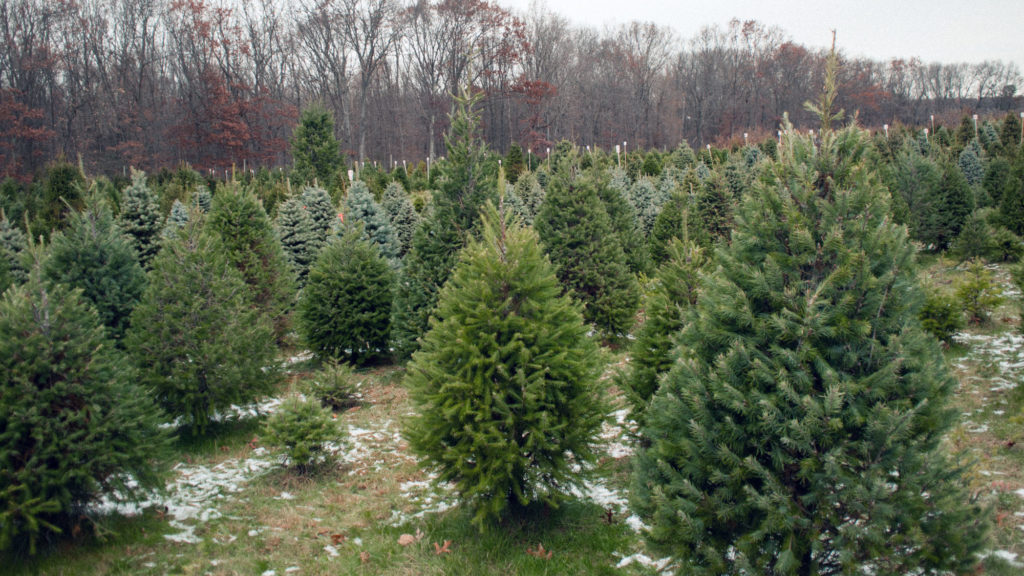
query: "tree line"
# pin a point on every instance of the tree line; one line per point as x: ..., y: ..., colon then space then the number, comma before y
x: 217, y: 83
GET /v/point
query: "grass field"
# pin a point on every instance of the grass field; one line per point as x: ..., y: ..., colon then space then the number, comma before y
x: 230, y: 509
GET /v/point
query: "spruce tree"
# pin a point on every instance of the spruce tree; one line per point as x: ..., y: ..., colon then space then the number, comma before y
x: 1009, y: 135
x: 402, y: 215
x: 526, y: 198
x: 361, y: 208
x: 506, y: 380
x: 197, y: 338
x: 345, y: 311
x: 94, y: 255
x: 203, y: 199
x: 624, y: 223
x: 647, y: 201
x: 578, y: 237
x: 176, y: 220
x: 715, y: 207
x: 800, y: 431
x: 12, y: 253
x: 514, y: 163
x: 248, y: 237
x: 321, y: 209
x: 1011, y: 204
x: 74, y: 423
x: 955, y: 203
x: 970, y: 163
x: 299, y: 240
x: 140, y: 219
x: 315, y: 151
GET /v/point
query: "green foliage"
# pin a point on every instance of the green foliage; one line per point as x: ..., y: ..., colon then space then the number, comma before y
x: 677, y: 220
x: 506, y: 380
x: 345, y: 311
x: 402, y: 215
x: 624, y: 221
x: 334, y: 386
x: 203, y: 199
x: 647, y: 201
x: 1009, y: 135
x: 73, y: 422
x: 715, y: 207
x: 941, y: 314
x: 363, y: 211
x: 674, y: 293
x: 914, y: 181
x: 93, y: 254
x: 1011, y: 205
x: 63, y: 188
x: 978, y: 293
x: 12, y: 251
x: 321, y: 209
x: 652, y: 165
x: 683, y: 157
x: 303, y: 428
x: 299, y: 240
x: 970, y: 163
x: 997, y: 176
x: 247, y: 236
x: 196, y: 336
x: 315, y: 151
x: 582, y: 244
x: 515, y: 164
x: 526, y: 198
x: 800, y: 430
x: 955, y: 202
x: 176, y: 220
x: 140, y: 218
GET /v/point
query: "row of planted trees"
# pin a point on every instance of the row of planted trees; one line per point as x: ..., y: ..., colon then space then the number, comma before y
x: 791, y: 404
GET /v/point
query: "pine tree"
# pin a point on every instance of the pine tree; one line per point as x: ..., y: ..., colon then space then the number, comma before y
x: 300, y: 242
x: 315, y: 151
x: 578, y: 237
x: 94, y: 255
x: 715, y: 207
x: 12, y: 251
x: 140, y: 219
x: 74, y: 424
x: 345, y: 311
x: 360, y: 207
x: 651, y: 354
x: 1011, y: 204
x: 1009, y: 135
x: 800, y: 431
x: 914, y: 181
x: 514, y: 163
x: 402, y: 215
x: 196, y: 336
x: 247, y: 235
x: 506, y: 380
x: 675, y: 221
x: 467, y: 182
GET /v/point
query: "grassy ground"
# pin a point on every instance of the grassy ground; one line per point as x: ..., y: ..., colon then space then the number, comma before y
x: 231, y: 510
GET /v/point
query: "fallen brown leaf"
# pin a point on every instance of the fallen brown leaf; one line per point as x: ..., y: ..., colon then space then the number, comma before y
x: 442, y: 549
x: 540, y: 552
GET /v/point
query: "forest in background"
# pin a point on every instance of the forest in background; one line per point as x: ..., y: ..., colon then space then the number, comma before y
x: 219, y: 84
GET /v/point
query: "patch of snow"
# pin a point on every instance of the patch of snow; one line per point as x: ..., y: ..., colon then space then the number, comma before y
x: 1009, y: 557
x: 644, y: 560
x: 331, y: 551
x: 285, y: 496
x: 291, y: 569
x: 269, y: 573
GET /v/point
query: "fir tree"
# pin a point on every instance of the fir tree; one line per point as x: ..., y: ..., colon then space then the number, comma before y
x: 196, y: 337
x: 578, y: 237
x: 345, y: 311
x: 514, y: 163
x: 914, y: 181
x: 683, y: 157
x: 1011, y: 204
x: 299, y: 240
x: 360, y: 207
x: 12, y: 252
x: 526, y: 198
x: 315, y: 151
x: 203, y: 199
x: 176, y: 220
x: 715, y: 207
x: 94, y: 255
x: 800, y: 431
x: 248, y: 237
x: 675, y: 221
x: 970, y: 163
x: 506, y: 380
x: 140, y: 219
x: 74, y: 424
x: 647, y: 201
x: 955, y: 203
x: 402, y: 215
x: 1009, y: 135
x: 624, y: 224
x: 321, y: 209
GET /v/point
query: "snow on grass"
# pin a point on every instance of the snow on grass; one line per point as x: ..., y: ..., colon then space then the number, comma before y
x: 645, y: 560
x: 614, y: 436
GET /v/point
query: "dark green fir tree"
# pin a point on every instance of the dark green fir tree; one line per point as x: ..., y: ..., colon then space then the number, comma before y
x: 526, y: 198
x: 623, y: 219
x: 300, y: 242
x: 402, y: 215
x: 321, y: 209
x: 74, y: 422
x: 94, y: 255
x: 1011, y: 202
x: 140, y: 218
x: 801, y: 429
x: 579, y: 238
x: 13, y: 246
x: 955, y: 201
x: 506, y: 380
x: 315, y: 151
x: 345, y: 311
x: 197, y: 338
x: 362, y: 211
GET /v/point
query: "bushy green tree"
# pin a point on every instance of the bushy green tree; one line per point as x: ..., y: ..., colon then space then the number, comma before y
x: 63, y: 194
x: 176, y: 220
x: 526, y: 198
x: 74, y: 423
x: 363, y: 211
x: 578, y: 237
x: 12, y: 252
x: 514, y: 163
x: 402, y: 215
x: 715, y: 207
x: 800, y: 431
x: 1009, y: 135
x: 978, y: 294
x: 1011, y: 203
x: 299, y: 240
x: 647, y: 201
x: 247, y: 236
x: 321, y: 209
x: 94, y: 255
x: 914, y: 182
x: 624, y: 223
x: 506, y: 380
x: 315, y: 152
x: 140, y: 218
x: 196, y: 336
x: 970, y: 163
x: 955, y: 202
x: 303, y: 428
x: 345, y: 311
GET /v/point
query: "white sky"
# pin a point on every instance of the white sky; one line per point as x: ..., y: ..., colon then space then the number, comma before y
x: 933, y: 30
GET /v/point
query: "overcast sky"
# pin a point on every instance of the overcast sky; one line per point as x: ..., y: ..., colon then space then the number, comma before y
x: 933, y: 30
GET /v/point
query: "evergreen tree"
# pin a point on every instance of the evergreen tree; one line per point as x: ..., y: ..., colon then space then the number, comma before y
x: 1010, y: 133
x: 914, y: 181
x: 467, y: 182
x: 196, y: 337
x: 624, y: 223
x: 12, y: 251
x: 94, y: 255
x: 997, y: 176
x: 578, y: 237
x: 956, y: 202
x: 675, y: 221
x: 360, y: 207
x: 176, y: 220
x: 299, y: 240
x: 651, y: 354
x: 715, y: 207
x: 402, y: 215
x: 800, y: 431
x: 683, y: 157
x: 247, y: 235
x: 315, y: 151
x: 647, y: 201
x: 203, y: 199
x: 526, y: 198
x: 62, y: 195
x: 74, y: 424
x: 506, y: 380
x: 1011, y: 204
x: 970, y: 163
x: 140, y: 219
x: 321, y: 209
x: 345, y: 312
x: 514, y: 163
